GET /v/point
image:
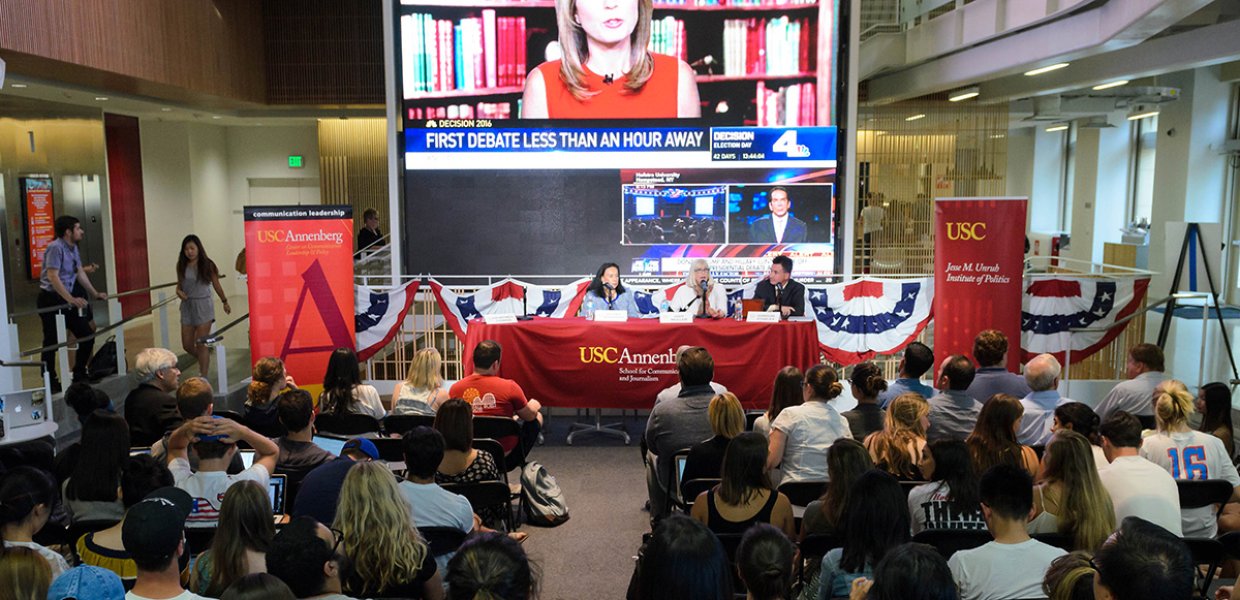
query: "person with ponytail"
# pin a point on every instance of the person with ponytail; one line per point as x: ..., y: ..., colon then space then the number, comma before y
x: 269, y: 379
x: 26, y: 499
x: 764, y: 560
x: 1187, y: 454
x: 993, y: 441
x: 867, y: 383
x: 491, y: 565
x: 898, y: 448
x: 801, y: 434
x: 1070, y: 577
x: 1071, y: 498
x: 1079, y: 417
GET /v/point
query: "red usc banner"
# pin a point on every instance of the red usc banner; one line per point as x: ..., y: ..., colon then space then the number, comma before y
x: 979, y: 251
x: 299, y: 260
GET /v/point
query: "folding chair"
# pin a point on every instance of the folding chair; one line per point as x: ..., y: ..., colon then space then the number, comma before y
x: 401, y: 424
x: 485, y: 494
x: 1058, y: 540
x: 951, y: 541
x: 801, y: 493
x: 498, y: 428
x: 751, y: 416
x: 442, y: 540
x: 689, y: 490
x: 347, y: 424
x: 1200, y: 494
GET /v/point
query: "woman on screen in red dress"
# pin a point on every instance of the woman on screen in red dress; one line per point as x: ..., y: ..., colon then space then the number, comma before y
x: 606, y: 71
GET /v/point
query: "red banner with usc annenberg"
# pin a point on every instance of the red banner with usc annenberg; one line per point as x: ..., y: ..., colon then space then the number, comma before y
x: 979, y: 255
x: 299, y: 260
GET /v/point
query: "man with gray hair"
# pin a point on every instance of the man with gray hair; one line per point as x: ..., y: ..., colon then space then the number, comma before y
x: 1042, y: 375
x: 151, y: 409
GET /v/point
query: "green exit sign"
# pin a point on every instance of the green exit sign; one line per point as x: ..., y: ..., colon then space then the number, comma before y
x: 296, y: 161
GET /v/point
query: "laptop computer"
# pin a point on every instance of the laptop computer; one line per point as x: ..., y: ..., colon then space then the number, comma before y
x: 22, y: 408
x: 333, y: 445
x: 277, y: 491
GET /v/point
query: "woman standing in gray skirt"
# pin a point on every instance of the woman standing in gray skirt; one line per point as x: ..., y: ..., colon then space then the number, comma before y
x: 196, y: 275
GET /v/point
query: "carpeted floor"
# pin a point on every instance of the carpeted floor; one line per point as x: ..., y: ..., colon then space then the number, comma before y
x: 591, y: 555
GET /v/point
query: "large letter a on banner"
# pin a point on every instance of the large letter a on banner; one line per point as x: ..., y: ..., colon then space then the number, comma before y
x: 315, y: 284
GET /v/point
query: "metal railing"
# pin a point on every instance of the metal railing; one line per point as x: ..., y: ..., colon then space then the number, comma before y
x: 215, y: 340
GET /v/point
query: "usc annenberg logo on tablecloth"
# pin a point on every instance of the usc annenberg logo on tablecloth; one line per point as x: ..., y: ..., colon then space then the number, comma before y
x: 611, y: 355
x: 965, y: 232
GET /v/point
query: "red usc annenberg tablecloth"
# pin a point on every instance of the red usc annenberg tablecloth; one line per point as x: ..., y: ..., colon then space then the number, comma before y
x: 577, y: 363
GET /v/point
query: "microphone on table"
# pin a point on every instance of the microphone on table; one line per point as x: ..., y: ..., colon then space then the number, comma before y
x: 779, y: 292
x: 609, y: 79
x: 609, y: 297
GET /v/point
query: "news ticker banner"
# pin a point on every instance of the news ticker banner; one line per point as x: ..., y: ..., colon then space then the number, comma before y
x: 40, y: 217
x: 300, y: 265
x: 979, y: 253
x: 479, y: 143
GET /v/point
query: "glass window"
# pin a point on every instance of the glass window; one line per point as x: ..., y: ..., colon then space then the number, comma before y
x: 1144, y: 147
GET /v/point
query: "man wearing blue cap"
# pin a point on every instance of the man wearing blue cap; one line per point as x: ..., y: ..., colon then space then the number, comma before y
x: 321, y: 488
x: 87, y: 583
x: 215, y: 441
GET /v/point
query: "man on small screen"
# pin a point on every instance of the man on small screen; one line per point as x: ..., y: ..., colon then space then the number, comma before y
x: 779, y: 227
x: 779, y: 292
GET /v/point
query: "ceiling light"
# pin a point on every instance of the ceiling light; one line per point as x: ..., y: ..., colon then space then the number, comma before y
x: 1142, y: 114
x: 100, y: 98
x: 916, y: 116
x: 1107, y: 86
x: 17, y: 85
x: 166, y: 109
x: 1046, y: 69
x: 1057, y: 127
x: 215, y: 116
x: 965, y: 94
x: 997, y: 136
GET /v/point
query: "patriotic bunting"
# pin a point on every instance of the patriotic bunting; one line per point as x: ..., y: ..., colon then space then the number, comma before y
x: 508, y: 296
x: 379, y: 315
x: 865, y: 317
x: 1051, y: 307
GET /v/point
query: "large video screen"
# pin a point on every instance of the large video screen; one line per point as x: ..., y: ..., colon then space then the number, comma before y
x: 545, y: 137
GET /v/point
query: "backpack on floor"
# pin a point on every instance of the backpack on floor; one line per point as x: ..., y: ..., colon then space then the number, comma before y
x: 104, y: 362
x: 543, y: 499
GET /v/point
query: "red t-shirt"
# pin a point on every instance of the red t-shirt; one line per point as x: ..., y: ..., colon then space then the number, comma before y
x: 492, y: 396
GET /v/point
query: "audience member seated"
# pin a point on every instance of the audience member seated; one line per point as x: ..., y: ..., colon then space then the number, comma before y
x: 1042, y: 374
x: 1070, y: 577
x: 1014, y: 564
x: 269, y: 379
x: 86, y: 583
x: 423, y: 390
x: 951, y: 500
x: 1070, y: 499
x: 1214, y: 404
x: 876, y: 521
x: 867, y: 383
x: 258, y: 586
x: 91, y: 491
x: 461, y: 462
x: 764, y: 560
x: 847, y: 459
x: 990, y: 349
x: 789, y: 383
x: 154, y: 535
x: 683, y: 559
x: 320, y: 490
x: 27, y: 496
x: 898, y: 448
x: 24, y: 575
x: 432, y: 505
x: 241, y: 540
x: 1187, y: 454
x: 298, y: 453
x: 84, y: 400
x: 493, y: 396
x: 1143, y: 561
x: 908, y: 572
x: 1079, y: 417
x: 1138, y: 487
x: 953, y: 412
x: 678, y: 423
x: 673, y: 391
x: 917, y: 359
x: 727, y: 420
x: 140, y: 476
x: 306, y: 556
x: 215, y: 440
x: 801, y: 435
x: 343, y: 390
x: 490, y: 565
x: 745, y: 495
x: 389, y: 558
x: 195, y: 398
x: 151, y: 409
x: 1145, y: 371
x: 993, y: 441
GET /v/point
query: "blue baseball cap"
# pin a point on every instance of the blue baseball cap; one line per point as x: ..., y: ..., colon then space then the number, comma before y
x: 362, y: 445
x: 87, y: 583
x: 210, y: 438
